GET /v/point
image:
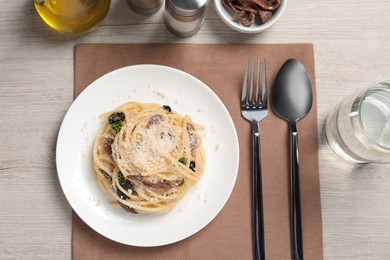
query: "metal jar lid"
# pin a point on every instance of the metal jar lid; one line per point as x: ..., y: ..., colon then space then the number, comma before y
x: 187, y: 7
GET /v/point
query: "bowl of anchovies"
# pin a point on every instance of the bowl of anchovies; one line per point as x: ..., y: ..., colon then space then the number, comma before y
x: 250, y: 16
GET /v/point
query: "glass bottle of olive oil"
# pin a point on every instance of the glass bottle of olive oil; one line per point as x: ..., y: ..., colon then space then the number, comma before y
x: 72, y: 16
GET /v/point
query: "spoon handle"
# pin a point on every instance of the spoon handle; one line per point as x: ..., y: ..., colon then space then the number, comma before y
x: 296, y: 214
x: 257, y: 198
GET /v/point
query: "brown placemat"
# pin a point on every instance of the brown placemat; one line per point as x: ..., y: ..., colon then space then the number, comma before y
x: 229, y: 235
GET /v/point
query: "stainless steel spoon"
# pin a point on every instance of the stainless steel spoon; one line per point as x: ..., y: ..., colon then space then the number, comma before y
x: 292, y: 100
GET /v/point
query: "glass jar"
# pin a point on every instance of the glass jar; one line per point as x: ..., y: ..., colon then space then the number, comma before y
x: 72, y: 16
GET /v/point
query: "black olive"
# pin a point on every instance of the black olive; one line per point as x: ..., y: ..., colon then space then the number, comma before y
x: 167, y: 108
x: 192, y: 165
x: 121, y: 194
x: 127, y: 185
x: 116, y: 117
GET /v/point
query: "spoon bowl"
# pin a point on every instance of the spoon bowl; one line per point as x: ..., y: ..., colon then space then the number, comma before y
x: 292, y: 94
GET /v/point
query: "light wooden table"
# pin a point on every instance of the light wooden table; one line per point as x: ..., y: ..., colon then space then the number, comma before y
x: 352, y: 49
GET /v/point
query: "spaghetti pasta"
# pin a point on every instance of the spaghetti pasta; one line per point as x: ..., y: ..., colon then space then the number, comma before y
x: 147, y: 156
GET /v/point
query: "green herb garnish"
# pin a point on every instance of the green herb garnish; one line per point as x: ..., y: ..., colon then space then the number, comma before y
x: 126, y: 184
x: 116, y: 127
x: 183, y: 160
x: 121, y: 178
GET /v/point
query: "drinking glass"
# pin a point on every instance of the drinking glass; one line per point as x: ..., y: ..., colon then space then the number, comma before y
x: 72, y: 16
x: 358, y: 129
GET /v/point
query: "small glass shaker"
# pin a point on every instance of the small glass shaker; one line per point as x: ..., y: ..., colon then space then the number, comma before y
x: 184, y: 18
x: 145, y: 7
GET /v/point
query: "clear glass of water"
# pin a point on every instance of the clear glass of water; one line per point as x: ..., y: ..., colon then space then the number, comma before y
x: 358, y: 129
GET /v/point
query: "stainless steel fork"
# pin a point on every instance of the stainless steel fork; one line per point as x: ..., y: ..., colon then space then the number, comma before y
x: 254, y: 109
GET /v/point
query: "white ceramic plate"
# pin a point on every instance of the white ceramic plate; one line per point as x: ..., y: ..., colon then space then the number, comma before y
x: 163, y: 85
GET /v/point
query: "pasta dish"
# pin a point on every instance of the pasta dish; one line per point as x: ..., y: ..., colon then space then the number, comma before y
x: 147, y: 156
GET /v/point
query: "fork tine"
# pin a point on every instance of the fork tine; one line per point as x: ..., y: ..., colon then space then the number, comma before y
x: 258, y: 99
x: 251, y: 84
x: 264, y: 83
x: 245, y: 85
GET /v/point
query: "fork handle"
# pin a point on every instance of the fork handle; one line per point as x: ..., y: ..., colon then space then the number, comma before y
x: 257, y: 197
x: 296, y: 214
